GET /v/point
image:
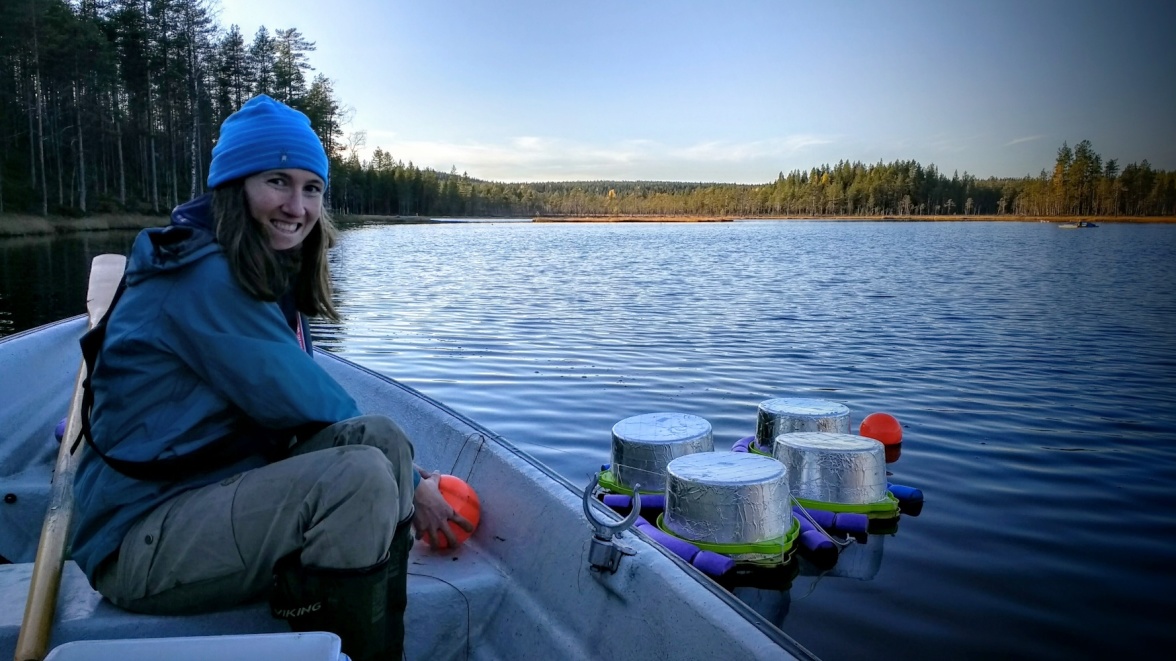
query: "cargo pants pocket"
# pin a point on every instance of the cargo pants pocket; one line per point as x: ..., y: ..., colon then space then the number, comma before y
x: 181, y: 557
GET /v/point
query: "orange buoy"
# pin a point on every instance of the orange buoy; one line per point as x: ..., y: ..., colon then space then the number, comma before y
x: 882, y: 427
x: 462, y: 498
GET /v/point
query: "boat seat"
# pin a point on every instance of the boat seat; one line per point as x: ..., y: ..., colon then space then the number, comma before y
x: 444, y: 589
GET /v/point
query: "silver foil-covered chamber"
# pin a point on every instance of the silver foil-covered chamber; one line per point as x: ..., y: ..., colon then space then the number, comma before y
x: 727, y: 498
x: 833, y: 468
x: 788, y: 415
x: 643, y: 445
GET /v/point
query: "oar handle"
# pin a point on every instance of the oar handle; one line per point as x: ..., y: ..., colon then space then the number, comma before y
x: 33, y: 641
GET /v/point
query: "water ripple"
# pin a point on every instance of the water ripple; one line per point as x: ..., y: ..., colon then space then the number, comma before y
x: 1032, y: 370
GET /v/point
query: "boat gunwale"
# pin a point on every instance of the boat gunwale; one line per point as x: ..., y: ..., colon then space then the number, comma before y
x: 758, y: 621
x: 753, y: 617
x: 42, y: 327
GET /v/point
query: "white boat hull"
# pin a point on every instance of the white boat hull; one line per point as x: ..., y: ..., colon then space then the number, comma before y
x: 520, y: 588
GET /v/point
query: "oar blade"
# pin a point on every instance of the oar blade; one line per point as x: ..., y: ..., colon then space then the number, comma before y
x: 105, y: 273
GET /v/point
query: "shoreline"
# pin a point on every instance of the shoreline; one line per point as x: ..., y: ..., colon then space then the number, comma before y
x: 18, y: 225
x: 653, y: 218
x: 26, y: 225
x: 359, y: 220
x: 634, y: 218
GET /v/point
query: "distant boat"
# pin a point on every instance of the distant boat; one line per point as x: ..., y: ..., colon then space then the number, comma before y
x: 1078, y: 225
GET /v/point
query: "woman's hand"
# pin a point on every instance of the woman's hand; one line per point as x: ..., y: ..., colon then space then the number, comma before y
x: 433, y: 513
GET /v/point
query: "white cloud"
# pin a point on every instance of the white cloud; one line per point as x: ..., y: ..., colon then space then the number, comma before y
x: 1028, y: 138
x: 746, y: 151
x: 538, y: 158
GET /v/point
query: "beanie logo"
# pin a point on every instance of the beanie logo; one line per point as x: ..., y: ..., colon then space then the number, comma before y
x: 283, y: 157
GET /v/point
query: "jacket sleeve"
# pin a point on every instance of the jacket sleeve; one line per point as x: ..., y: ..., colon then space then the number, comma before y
x: 242, y: 347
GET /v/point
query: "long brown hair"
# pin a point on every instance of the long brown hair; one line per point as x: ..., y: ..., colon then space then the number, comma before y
x: 266, y: 273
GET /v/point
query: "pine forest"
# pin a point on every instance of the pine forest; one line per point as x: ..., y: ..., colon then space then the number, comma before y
x: 113, y: 106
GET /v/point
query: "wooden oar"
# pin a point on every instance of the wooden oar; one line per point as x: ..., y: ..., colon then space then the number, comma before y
x: 105, y: 273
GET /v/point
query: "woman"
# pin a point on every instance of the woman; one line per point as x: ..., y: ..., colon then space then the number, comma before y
x: 224, y: 462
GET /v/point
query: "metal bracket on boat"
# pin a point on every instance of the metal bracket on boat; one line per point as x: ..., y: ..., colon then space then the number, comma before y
x: 605, y: 553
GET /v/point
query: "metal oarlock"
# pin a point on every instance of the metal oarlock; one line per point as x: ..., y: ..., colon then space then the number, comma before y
x: 605, y: 552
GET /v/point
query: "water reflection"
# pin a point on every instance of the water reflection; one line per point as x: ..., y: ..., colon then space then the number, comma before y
x: 43, y: 278
x: 769, y: 590
x: 1032, y: 371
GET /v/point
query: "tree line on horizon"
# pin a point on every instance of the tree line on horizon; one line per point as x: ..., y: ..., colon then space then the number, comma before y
x: 114, y: 106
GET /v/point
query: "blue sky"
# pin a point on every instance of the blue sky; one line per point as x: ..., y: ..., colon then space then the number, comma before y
x: 738, y: 91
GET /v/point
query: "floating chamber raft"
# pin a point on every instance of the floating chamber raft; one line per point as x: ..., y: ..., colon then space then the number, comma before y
x: 837, y: 472
x: 643, y: 445
x: 731, y: 503
x: 789, y: 415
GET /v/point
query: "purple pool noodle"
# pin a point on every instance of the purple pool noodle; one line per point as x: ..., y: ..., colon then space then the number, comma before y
x: 805, y: 524
x: 742, y: 444
x: 681, y: 548
x: 837, y: 521
x: 713, y: 564
x: 814, y: 542
x: 59, y: 431
x: 618, y: 500
x: 851, y: 522
x: 821, y: 517
x: 653, y: 501
x: 905, y: 494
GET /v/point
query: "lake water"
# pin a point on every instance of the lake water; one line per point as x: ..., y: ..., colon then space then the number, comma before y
x: 1033, y: 369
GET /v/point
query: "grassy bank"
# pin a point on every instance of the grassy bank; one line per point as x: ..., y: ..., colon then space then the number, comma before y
x: 633, y: 219
x: 26, y: 225
x: 343, y: 220
x: 1004, y: 218
x: 653, y: 218
x: 23, y: 225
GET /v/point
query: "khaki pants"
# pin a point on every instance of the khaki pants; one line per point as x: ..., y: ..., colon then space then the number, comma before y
x: 338, y: 498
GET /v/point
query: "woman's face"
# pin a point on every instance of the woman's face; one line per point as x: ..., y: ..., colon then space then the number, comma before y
x: 287, y: 203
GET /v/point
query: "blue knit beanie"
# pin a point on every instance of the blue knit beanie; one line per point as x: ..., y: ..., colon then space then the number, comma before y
x: 265, y: 135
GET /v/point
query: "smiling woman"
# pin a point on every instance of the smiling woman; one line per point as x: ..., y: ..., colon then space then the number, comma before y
x: 286, y: 203
x: 226, y: 463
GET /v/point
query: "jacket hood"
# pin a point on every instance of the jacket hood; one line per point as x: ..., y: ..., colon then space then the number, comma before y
x: 195, y: 213
x: 188, y: 239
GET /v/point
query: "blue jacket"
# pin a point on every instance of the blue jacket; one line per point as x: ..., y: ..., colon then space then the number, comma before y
x: 189, y: 358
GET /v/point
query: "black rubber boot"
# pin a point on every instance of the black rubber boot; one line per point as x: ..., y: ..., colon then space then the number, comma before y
x: 349, y: 603
x: 398, y: 588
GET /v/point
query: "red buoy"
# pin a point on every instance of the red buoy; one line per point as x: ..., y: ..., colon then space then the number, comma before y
x: 882, y: 427
x: 462, y: 498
